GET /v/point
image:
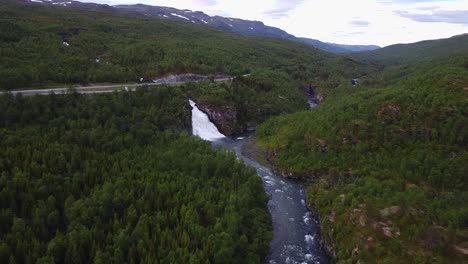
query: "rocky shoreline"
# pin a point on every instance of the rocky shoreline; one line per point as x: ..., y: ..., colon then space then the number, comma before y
x: 252, y: 151
x: 225, y: 119
x: 326, y: 240
x: 314, y: 98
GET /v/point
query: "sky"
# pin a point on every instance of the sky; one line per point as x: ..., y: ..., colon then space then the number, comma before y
x: 379, y: 22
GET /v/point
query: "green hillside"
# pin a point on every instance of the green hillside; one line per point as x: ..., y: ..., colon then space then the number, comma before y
x: 389, y: 158
x: 415, y: 52
x: 55, y: 46
x: 109, y: 47
x: 114, y: 179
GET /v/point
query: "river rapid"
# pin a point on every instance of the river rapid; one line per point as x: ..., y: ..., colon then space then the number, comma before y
x: 296, y: 230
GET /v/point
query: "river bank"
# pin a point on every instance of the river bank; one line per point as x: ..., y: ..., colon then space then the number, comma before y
x: 296, y: 229
x: 252, y: 151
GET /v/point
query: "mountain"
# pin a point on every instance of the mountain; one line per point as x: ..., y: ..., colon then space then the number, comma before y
x: 356, y: 48
x: 336, y: 48
x: 46, y: 45
x: 415, y: 52
x: 241, y: 26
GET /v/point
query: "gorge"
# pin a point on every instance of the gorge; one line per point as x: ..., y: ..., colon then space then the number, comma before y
x: 296, y: 230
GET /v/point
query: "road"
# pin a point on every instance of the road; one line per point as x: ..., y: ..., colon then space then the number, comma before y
x: 99, y: 88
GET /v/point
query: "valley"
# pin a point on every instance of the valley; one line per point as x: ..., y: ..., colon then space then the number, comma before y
x: 296, y: 235
x: 141, y: 134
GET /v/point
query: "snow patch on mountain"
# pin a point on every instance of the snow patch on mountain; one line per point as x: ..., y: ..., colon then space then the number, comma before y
x: 177, y: 15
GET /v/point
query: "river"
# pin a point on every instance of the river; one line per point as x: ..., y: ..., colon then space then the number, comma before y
x: 296, y: 231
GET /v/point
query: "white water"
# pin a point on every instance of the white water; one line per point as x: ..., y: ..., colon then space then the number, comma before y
x: 202, y: 126
x: 294, y: 241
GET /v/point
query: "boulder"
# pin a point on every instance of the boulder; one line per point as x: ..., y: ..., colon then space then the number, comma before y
x: 392, y: 210
x: 462, y: 249
x: 363, y: 220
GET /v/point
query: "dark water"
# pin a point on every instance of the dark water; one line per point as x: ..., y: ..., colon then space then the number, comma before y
x: 296, y: 237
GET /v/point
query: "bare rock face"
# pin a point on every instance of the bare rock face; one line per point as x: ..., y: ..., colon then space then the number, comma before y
x: 363, y: 220
x: 389, y: 114
x: 462, y: 249
x: 410, y: 185
x: 323, y: 146
x: 225, y: 118
x: 392, y: 210
x: 320, y: 98
x: 387, y: 231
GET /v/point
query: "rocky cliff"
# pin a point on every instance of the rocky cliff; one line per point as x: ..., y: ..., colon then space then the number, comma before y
x: 225, y: 118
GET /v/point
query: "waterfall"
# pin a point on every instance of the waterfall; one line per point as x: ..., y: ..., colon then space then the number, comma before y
x: 296, y: 231
x: 202, y: 126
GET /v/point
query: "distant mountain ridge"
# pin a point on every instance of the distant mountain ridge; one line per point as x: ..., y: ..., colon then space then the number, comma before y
x: 241, y: 26
x: 337, y: 48
x: 415, y: 52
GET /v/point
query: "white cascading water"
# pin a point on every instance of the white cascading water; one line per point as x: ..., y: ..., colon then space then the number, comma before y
x: 202, y: 126
x: 296, y: 230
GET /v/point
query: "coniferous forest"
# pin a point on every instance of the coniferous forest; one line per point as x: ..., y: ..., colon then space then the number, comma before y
x: 118, y: 178
x: 389, y: 159
x: 114, y: 178
x: 47, y: 46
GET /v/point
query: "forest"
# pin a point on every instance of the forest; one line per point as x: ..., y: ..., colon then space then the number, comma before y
x: 255, y: 98
x: 45, y: 47
x: 388, y: 160
x: 423, y: 51
x: 50, y: 46
x: 117, y: 178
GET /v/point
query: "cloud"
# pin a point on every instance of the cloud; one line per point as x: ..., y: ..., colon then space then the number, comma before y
x: 277, y: 13
x: 444, y: 16
x: 428, y: 8
x: 391, y: 2
x: 205, y: 3
x: 282, y: 8
x: 359, y: 23
x: 346, y: 34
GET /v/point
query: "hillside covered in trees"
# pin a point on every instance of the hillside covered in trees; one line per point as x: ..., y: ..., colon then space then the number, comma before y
x: 403, y: 54
x: 44, y: 45
x: 388, y: 158
x: 47, y: 46
x: 115, y: 178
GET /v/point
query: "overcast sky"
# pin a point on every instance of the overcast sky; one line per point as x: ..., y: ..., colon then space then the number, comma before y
x: 381, y: 22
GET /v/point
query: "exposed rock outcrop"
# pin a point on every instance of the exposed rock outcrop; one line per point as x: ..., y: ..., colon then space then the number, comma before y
x: 462, y: 249
x: 327, y: 241
x: 389, y: 114
x: 309, y: 92
x: 225, y: 118
x: 392, y: 210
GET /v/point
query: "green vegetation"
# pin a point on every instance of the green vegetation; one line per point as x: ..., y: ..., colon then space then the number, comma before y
x: 390, y: 161
x: 415, y: 52
x: 255, y: 98
x: 132, y: 47
x: 114, y: 178
x: 104, y: 47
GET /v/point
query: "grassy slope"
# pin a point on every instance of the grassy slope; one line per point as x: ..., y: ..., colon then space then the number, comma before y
x: 415, y: 52
x: 400, y: 141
